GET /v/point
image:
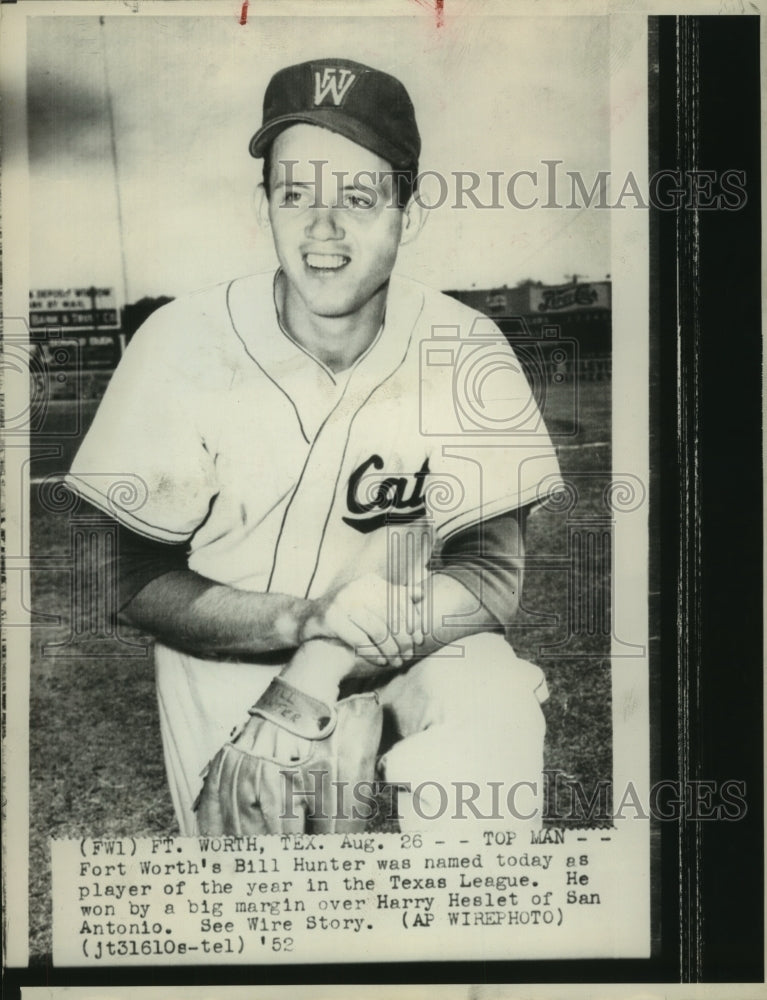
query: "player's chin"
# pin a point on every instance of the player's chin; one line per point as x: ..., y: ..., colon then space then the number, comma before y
x: 332, y: 297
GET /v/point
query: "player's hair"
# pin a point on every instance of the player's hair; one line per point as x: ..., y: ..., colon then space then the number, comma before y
x: 405, y: 180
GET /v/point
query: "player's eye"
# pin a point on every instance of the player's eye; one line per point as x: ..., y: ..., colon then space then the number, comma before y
x: 293, y: 196
x: 358, y: 199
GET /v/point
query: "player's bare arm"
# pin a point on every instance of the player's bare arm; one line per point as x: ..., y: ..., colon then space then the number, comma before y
x: 367, y: 623
x: 197, y: 615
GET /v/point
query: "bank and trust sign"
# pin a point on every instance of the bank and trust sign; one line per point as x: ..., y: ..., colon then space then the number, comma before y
x: 84, y: 308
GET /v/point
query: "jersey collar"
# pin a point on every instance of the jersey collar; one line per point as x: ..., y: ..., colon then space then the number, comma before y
x: 254, y: 317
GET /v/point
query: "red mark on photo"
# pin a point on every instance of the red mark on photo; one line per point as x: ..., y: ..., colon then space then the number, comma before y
x: 244, y: 12
x: 439, y: 9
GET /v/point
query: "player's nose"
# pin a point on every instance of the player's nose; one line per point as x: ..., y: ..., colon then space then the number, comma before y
x: 324, y: 224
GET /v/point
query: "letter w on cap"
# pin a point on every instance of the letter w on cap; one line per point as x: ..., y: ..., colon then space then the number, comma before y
x: 332, y: 81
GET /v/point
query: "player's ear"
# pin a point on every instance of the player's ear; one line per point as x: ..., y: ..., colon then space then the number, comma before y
x: 413, y: 220
x: 261, y: 202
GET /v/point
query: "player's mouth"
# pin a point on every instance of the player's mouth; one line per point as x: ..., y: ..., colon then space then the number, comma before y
x: 326, y: 262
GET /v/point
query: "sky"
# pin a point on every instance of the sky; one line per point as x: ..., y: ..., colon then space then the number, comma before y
x: 169, y: 206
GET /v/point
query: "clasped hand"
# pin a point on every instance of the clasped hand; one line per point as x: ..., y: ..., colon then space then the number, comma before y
x: 380, y: 621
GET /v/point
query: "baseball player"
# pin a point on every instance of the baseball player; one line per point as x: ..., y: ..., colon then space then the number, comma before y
x: 321, y: 477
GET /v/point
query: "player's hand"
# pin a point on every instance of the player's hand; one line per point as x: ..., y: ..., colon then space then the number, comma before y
x: 380, y: 621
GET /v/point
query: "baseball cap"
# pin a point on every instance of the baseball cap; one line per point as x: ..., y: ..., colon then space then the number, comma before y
x: 363, y: 104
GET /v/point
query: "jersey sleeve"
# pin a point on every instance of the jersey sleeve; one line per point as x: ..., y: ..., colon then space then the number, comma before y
x: 135, y: 560
x: 488, y: 560
x: 490, y: 451
x: 145, y: 459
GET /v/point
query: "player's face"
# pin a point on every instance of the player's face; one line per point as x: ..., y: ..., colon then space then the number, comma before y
x: 334, y: 219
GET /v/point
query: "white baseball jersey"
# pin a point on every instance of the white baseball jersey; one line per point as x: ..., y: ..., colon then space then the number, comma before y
x: 218, y: 430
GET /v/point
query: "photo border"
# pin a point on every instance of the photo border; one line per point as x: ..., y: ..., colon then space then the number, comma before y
x: 697, y: 699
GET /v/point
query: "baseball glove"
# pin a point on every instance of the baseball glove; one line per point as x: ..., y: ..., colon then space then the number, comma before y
x: 293, y: 766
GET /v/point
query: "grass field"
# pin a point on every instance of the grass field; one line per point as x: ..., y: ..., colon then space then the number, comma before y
x: 95, y: 753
